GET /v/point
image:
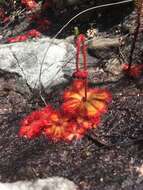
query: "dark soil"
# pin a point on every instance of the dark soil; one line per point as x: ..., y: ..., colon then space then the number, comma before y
x: 105, y: 159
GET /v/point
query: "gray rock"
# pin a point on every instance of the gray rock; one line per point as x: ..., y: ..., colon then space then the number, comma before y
x: 103, y: 43
x: 114, y: 67
x: 25, y: 58
x: 51, y: 183
x: 103, y: 48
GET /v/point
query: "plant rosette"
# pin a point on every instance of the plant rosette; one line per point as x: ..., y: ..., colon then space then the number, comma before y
x: 62, y: 127
x: 135, y: 70
x: 94, y: 105
x: 56, y: 126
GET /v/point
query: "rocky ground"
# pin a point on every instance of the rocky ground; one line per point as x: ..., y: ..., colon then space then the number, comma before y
x: 108, y: 157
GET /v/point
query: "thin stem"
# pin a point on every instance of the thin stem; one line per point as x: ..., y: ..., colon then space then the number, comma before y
x: 72, y: 19
x: 85, y: 88
x: 84, y: 56
x: 84, y: 52
x: 136, y: 33
x: 77, y: 54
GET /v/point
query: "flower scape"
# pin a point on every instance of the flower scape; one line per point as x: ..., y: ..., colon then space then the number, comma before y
x: 80, y: 111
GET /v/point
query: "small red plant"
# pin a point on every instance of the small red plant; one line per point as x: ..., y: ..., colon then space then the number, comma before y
x: 21, y: 38
x: 135, y: 70
x: 83, y: 100
x: 30, y: 4
x: 80, y: 111
x: 94, y: 105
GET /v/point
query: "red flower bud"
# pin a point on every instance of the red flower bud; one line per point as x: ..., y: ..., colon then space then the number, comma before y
x: 80, y: 74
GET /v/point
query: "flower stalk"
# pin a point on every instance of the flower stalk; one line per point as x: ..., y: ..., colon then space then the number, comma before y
x: 81, y: 47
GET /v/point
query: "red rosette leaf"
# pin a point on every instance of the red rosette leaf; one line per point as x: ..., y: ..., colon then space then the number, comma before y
x: 55, y: 132
x: 56, y: 126
x: 88, y: 123
x: 74, y: 132
x: 71, y: 106
x: 44, y: 113
x: 32, y: 130
x: 95, y: 121
x: 84, y: 123
x: 101, y: 94
x: 30, y: 118
x: 32, y: 125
